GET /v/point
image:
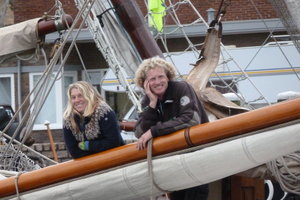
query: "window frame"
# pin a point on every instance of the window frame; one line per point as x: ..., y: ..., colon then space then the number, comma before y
x: 12, y: 83
x: 59, y: 90
x: 102, y: 72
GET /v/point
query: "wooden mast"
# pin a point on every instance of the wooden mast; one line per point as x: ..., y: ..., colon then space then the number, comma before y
x: 133, y: 21
x: 200, y: 134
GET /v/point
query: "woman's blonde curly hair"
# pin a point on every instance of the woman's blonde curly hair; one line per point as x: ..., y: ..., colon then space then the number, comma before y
x: 151, y: 63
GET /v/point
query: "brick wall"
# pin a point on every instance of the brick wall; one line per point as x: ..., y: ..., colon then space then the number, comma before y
x: 45, y: 149
x: 24, y: 10
x: 238, y: 9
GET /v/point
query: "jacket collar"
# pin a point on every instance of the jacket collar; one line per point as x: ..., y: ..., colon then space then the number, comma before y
x: 168, y: 96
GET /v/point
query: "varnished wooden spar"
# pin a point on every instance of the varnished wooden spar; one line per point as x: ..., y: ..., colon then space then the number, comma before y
x: 200, y: 134
x: 127, y: 125
x: 50, y: 26
x: 133, y: 21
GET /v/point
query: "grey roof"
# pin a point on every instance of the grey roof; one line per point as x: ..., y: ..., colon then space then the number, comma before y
x: 229, y: 28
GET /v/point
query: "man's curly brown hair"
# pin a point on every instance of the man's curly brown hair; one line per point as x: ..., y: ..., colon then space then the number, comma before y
x: 151, y: 63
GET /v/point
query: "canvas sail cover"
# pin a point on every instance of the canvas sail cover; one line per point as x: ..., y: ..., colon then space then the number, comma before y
x: 179, y: 171
x: 18, y: 37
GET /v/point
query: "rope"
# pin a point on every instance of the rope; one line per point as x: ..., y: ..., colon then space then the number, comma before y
x: 274, y: 38
x: 39, y: 90
x: 282, y: 170
x: 17, y: 185
x: 172, y: 8
x: 104, y: 42
x: 150, y: 171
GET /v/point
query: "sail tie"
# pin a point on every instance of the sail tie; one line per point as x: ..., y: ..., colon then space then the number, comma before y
x: 187, y: 137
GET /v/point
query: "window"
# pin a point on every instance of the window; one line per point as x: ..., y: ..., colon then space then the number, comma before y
x: 68, y: 79
x: 54, y: 105
x: 95, y: 78
x: 7, y: 90
x: 118, y: 101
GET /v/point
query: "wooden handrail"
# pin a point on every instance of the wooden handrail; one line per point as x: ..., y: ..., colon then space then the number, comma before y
x: 127, y: 125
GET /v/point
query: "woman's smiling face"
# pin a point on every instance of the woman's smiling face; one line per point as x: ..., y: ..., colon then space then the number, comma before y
x: 78, y: 101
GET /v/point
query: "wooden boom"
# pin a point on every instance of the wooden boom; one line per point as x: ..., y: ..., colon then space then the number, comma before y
x: 200, y: 134
x: 49, y: 26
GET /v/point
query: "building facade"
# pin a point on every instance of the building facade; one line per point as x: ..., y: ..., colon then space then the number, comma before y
x: 244, y: 24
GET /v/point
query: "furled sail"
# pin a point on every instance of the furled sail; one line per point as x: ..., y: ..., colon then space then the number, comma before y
x: 25, y: 36
x: 198, y: 77
x: 198, y: 135
x: 178, y: 171
x: 19, y: 37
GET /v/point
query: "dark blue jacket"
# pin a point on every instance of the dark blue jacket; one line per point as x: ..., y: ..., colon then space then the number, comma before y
x: 110, y: 136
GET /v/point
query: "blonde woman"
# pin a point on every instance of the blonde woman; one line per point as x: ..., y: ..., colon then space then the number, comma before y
x: 90, y: 125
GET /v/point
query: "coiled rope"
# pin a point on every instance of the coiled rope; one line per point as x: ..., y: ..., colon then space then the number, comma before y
x: 284, y: 169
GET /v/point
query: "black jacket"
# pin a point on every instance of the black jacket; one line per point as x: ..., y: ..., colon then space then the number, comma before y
x: 180, y: 108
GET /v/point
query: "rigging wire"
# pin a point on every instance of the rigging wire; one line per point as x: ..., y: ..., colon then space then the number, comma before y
x: 172, y: 12
x: 44, y: 80
x: 288, y: 12
x: 110, y: 54
x: 274, y: 38
x: 122, y: 29
x: 289, y: 181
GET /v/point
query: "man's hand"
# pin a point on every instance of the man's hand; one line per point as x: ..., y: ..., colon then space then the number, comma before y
x: 142, y: 142
x: 152, y: 97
